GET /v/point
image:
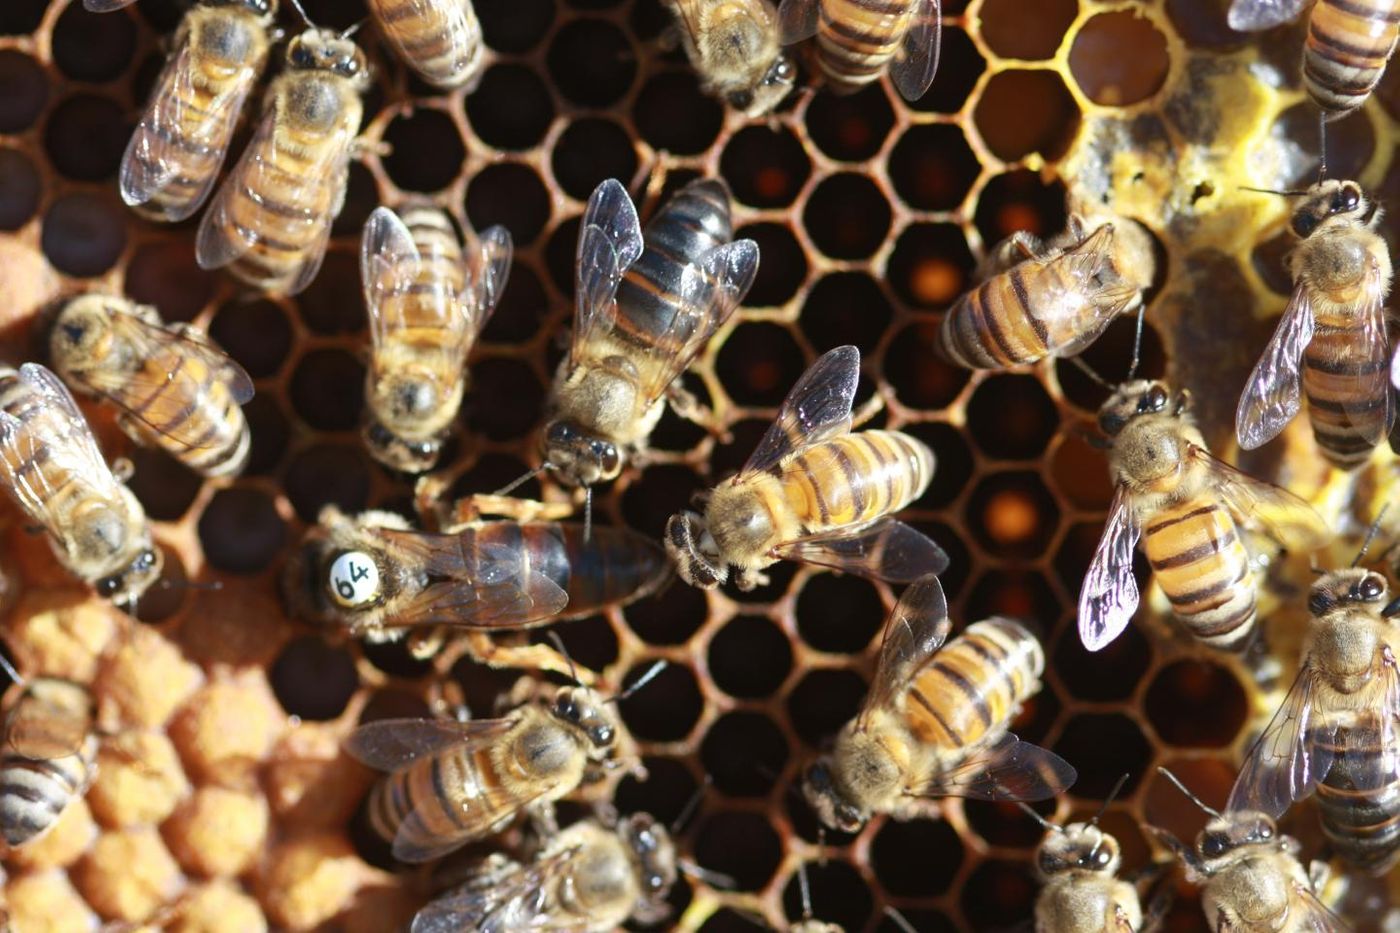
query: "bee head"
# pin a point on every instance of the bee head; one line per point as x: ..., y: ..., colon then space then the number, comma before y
x: 1229, y: 831
x: 828, y: 801
x: 126, y: 585
x: 1132, y: 400
x: 82, y: 330
x: 324, y: 50
x: 585, y: 710
x: 580, y: 458
x: 1080, y: 846
x: 653, y: 854
x: 1328, y: 199
x: 1351, y: 587
x: 684, y: 533
x: 769, y: 92
x: 399, y: 453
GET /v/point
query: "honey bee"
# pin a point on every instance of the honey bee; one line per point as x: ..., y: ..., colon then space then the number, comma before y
x: 451, y: 782
x: 735, y: 46
x: 439, y: 39
x: 1349, y: 43
x: 1191, y: 512
x: 1250, y: 877
x: 175, y: 389
x: 813, y: 492
x: 859, y: 39
x: 642, y: 315
x: 271, y: 219
x: 586, y: 879
x: 51, y: 467
x: 427, y: 305
x: 1338, y: 730
x: 1331, y: 343
x: 934, y: 722
x: 1039, y: 299
x: 177, y: 150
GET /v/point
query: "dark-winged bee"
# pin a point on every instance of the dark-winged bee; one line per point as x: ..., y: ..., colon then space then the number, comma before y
x: 934, y: 722
x: 175, y: 389
x: 813, y: 492
x: 1191, y: 512
x: 427, y: 305
x: 1331, y: 343
x: 438, y: 39
x: 736, y: 48
x: 51, y: 467
x: 857, y: 40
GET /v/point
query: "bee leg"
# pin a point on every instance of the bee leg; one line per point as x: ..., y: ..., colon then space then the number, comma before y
x: 750, y: 579
x: 1318, y: 873
x: 520, y: 510
x: 426, y: 643
x: 486, y: 650
x: 429, y: 494
x: 362, y: 147
x: 543, y: 820
x: 123, y: 468
x: 684, y: 403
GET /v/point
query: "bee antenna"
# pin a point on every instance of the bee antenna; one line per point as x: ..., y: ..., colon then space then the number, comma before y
x: 1137, y: 342
x: 1189, y: 796
x: 1312, y: 565
x: 691, y: 806
x: 1285, y: 194
x: 10, y: 669
x: 1112, y: 796
x: 805, y: 887
x: 1321, y: 146
x: 1089, y: 371
x: 587, y: 513
x: 354, y: 29
x: 1030, y: 812
x: 1370, y: 535
x: 899, y: 920
x: 167, y: 584
x: 559, y: 644
x: 642, y: 681
x: 296, y: 5
x: 714, y: 879
x: 510, y: 487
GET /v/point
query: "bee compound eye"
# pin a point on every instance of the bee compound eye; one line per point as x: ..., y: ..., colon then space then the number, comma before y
x: 1372, y: 588
x: 354, y: 579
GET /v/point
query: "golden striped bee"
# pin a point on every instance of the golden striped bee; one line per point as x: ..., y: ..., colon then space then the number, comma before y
x: 451, y: 782
x: 271, y: 219
x: 1250, y: 876
x: 175, y: 389
x: 857, y: 40
x: 428, y: 302
x: 178, y: 148
x: 934, y: 722
x: 586, y: 879
x: 439, y: 39
x: 1191, y: 512
x: 1039, y: 299
x: 643, y: 313
x: 1348, y: 44
x: 1338, y: 730
x: 1331, y: 343
x: 51, y: 467
x: 736, y: 48
x: 813, y: 492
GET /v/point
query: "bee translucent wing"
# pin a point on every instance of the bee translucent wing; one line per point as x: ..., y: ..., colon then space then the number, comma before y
x: 105, y: 6
x: 1254, y: 15
x: 886, y: 550
x: 798, y: 19
x: 1109, y: 596
x: 503, y: 900
x: 42, y: 731
x: 917, y: 628
x: 391, y: 744
x: 1317, y: 916
x: 1289, y: 758
x: 916, y: 62
x: 1008, y: 769
x: 817, y: 408
x: 389, y: 269
x: 1272, y: 396
x: 609, y: 240
x: 1395, y: 368
x: 492, y: 269
x: 1256, y: 504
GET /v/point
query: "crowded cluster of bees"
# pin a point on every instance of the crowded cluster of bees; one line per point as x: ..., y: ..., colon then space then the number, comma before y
x: 465, y: 702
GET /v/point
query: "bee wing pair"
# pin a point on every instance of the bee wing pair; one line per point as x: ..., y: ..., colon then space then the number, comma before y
x: 489, y: 896
x: 1109, y: 596
x: 44, y: 731
x: 1256, y: 15
x: 105, y: 6
x: 1273, y: 394
x: 914, y: 64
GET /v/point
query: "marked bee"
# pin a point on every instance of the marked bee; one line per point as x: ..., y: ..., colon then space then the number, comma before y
x: 1191, y: 512
x: 857, y: 40
x: 175, y: 389
x: 1331, y: 343
x: 51, y: 467
x: 1338, y: 730
x: 1348, y: 44
x: 813, y: 492
x: 934, y: 722
x: 271, y: 219
x: 736, y: 48
x: 50, y: 756
x: 438, y: 39
x: 427, y: 305
x: 586, y: 879
x: 451, y: 782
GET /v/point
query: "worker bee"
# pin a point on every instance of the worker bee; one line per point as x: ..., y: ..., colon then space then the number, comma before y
x: 1331, y: 343
x: 427, y: 305
x: 1039, y: 299
x: 735, y: 47
x: 439, y: 39
x: 858, y: 39
x: 178, y: 148
x: 1191, y: 511
x: 51, y: 467
x: 451, y: 782
x: 1250, y: 876
x: 175, y: 389
x: 642, y: 316
x: 934, y: 722
x: 1338, y: 730
x: 586, y: 879
x: 272, y: 217
x: 813, y: 492
x: 1348, y: 44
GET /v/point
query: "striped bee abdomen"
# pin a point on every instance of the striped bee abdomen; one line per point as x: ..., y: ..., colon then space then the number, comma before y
x: 59, y: 481
x: 1203, y: 568
x: 439, y: 39
x: 428, y: 802
x: 413, y: 317
x: 856, y: 39
x: 207, y: 414
x: 34, y: 794
x: 1346, y: 428
x: 856, y: 478
x: 1348, y: 45
x: 974, y: 685
x: 1359, y: 799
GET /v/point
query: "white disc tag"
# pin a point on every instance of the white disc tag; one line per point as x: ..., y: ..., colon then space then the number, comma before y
x: 354, y: 579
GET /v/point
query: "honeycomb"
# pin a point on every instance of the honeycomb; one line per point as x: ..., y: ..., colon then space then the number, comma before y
x: 223, y: 789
